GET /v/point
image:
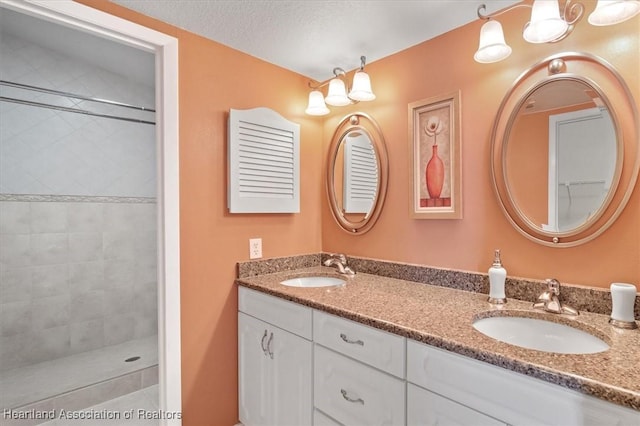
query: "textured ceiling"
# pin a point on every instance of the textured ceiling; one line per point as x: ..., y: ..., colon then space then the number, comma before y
x: 311, y: 37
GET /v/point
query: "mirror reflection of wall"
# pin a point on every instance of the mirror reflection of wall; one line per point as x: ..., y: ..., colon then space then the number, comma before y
x: 360, y: 174
x: 561, y: 155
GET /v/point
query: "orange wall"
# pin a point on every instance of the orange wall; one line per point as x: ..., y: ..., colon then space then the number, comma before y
x: 213, y: 79
x: 528, y: 171
x: 446, y: 64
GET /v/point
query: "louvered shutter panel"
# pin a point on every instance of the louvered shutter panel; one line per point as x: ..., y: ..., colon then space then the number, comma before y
x: 360, y: 175
x: 264, y: 162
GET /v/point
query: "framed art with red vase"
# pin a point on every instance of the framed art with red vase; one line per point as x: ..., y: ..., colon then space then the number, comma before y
x: 434, y: 138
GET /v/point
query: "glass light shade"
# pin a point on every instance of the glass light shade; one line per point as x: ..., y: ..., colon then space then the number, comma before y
x: 492, y: 45
x: 610, y: 12
x: 316, y: 104
x: 361, y: 90
x: 337, y: 95
x: 546, y: 24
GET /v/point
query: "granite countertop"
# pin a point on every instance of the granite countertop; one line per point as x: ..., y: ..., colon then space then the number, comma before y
x: 443, y: 317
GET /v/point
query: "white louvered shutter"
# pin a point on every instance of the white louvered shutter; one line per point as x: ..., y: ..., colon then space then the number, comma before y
x: 360, y: 175
x: 264, y: 162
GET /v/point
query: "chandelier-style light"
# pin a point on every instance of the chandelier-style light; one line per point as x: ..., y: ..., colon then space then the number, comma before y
x: 549, y: 23
x: 338, y: 87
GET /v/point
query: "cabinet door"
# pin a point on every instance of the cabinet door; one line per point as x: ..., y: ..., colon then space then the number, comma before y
x: 253, y: 371
x: 426, y: 408
x: 291, y: 363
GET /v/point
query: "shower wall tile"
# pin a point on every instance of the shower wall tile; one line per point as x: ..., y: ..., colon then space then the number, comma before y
x: 15, y: 284
x: 15, y: 250
x: 86, y: 276
x: 118, y: 273
x: 49, y: 249
x: 14, y: 218
x: 85, y: 247
x: 87, y: 306
x: 50, y: 280
x: 48, y: 217
x: 50, y: 312
x: 13, y: 351
x: 86, y: 335
x: 15, y: 318
x: 145, y: 326
x: 69, y: 270
x: 85, y: 217
x: 119, y: 217
x: 119, y: 245
x: 119, y: 300
x: 119, y: 329
x: 49, y: 150
x: 146, y: 268
x: 75, y: 281
x: 48, y: 344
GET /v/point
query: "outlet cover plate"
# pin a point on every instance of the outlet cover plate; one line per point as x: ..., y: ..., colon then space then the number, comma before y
x: 255, y: 248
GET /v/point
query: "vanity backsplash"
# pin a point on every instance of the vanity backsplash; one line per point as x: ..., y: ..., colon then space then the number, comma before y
x: 589, y: 299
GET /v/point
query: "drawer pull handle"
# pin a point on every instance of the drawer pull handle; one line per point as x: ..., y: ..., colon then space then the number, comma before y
x: 264, y: 349
x: 353, y: 342
x: 269, y: 346
x: 355, y: 401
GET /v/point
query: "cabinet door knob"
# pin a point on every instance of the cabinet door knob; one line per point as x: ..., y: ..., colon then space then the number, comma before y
x: 353, y: 342
x: 264, y: 348
x: 269, y: 346
x: 355, y: 401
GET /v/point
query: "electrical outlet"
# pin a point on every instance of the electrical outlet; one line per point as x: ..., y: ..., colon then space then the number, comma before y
x: 255, y: 248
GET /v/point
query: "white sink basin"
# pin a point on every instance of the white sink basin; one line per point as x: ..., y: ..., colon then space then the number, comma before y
x: 541, y: 335
x: 313, y: 282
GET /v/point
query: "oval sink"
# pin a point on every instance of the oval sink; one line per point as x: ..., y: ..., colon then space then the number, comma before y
x: 541, y: 335
x: 313, y: 282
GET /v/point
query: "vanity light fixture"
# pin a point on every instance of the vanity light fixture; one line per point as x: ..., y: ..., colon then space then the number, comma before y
x: 337, y: 94
x: 549, y: 23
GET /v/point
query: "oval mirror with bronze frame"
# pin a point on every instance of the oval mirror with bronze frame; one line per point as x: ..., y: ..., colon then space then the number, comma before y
x: 357, y: 173
x: 565, y: 151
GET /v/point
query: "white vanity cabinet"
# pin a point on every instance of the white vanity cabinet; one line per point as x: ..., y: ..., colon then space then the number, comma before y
x: 274, y: 361
x: 299, y: 366
x: 358, y: 372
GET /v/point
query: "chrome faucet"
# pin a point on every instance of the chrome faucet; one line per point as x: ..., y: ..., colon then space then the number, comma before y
x: 549, y: 300
x: 339, y: 260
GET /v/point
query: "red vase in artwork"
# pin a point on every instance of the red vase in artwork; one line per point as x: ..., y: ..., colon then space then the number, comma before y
x: 434, y: 174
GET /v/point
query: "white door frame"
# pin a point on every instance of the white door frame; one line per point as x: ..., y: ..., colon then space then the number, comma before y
x: 165, y: 48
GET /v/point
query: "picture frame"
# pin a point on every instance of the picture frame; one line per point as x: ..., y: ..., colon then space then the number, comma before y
x: 434, y: 138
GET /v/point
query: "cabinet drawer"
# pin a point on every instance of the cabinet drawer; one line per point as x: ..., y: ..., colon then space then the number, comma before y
x: 355, y: 394
x: 427, y: 408
x: 374, y: 347
x: 287, y: 315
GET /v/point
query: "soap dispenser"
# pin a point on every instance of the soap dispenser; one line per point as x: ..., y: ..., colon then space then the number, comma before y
x: 497, y: 276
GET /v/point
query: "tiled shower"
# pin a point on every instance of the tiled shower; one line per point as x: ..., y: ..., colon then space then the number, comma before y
x: 78, y: 231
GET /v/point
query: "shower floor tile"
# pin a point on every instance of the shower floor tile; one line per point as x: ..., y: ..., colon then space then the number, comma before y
x: 36, y: 382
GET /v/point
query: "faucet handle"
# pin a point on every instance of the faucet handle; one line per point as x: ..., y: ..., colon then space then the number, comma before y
x: 340, y: 257
x: 553, y: 286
